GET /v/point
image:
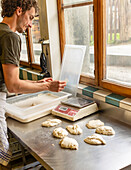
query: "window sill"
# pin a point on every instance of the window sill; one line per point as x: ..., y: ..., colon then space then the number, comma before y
x: 105, y: 96
x: 30, y: 74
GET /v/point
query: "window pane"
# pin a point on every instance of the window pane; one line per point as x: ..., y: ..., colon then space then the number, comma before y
x: 23, y: 54
x: 79, y: 31
x: 118, y: 55
x: 0, y: 12
x: 36, y: 39
x: 67, y: 2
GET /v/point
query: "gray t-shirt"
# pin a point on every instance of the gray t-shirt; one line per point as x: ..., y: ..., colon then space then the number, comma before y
x: 10, y: 47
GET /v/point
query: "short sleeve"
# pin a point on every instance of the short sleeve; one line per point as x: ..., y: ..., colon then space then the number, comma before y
x: 11, y: 48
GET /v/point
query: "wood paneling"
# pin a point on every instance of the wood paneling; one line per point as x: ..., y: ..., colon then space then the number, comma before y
x: 30, y: 42
x: 61, y: 26
x: 77, y: 5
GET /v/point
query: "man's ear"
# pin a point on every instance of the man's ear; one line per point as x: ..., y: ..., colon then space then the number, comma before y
x: 19, y: 11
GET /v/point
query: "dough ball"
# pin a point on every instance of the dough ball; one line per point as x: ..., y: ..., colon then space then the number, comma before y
x: 33, y: 104
x: 105, y: 130
x: 95, y: 140
x: 69, y: 143
x: 93, y: 124
x: 60, y: 132
x: 74, y: 129
x: 51, y: 122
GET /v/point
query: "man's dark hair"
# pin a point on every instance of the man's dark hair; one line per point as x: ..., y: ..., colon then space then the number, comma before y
x: 10, y: 6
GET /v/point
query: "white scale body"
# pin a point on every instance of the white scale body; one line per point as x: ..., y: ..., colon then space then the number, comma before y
x: 75, y: 108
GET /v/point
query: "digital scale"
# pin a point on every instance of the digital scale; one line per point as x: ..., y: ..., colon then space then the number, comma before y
x: 75, y: 108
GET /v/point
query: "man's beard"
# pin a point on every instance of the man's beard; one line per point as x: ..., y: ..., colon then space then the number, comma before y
x: 20, y: 30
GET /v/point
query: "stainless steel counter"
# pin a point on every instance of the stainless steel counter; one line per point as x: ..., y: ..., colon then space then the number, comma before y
x: 39, y: 141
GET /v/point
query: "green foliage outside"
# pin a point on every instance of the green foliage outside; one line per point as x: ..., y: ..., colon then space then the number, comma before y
x: 113, y: 41
x: 91, y: 41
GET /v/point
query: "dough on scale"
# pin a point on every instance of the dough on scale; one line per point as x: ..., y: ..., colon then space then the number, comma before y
x: 95, y: 140
x: 69, y: 143
x: 93, y: 124
x: 51, y: 122
x: 74, y: 129
x: 105, y: 130
x: 60, y: 132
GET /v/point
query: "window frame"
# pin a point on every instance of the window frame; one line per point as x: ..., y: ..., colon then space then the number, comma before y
x: 99, y: 46
x: 30, y: 52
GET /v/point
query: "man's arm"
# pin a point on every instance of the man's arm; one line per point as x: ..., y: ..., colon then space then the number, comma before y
x: 42, y: 80
x: 15, y: 85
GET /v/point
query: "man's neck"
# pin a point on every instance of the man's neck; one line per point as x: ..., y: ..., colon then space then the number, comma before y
x: 11, y: 22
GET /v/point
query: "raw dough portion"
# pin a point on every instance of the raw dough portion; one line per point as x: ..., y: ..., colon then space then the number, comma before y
x: 105, y: 130
x: 93, y: 124
x: 95, y: 140
x: 51, y: 122
x: 70, y: 143
x: 60, y: 132
x: 33, y: 104
x: 74, y: 129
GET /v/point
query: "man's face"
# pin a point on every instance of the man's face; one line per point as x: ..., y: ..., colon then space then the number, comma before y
x: 25, y: 20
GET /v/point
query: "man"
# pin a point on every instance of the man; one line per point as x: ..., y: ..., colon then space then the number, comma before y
x: 17, y: 16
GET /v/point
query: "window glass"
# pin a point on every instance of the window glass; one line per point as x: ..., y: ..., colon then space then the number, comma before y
x: 118, y: 51
x: 79, y: 29
x: 23, y: 54
x: 67, y: 2
x: 36, y: 39
x: 0, y: 12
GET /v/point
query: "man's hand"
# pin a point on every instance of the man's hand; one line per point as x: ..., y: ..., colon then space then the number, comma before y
x: 53, y: 85
x: 45, y: 80
x: 56, y: 86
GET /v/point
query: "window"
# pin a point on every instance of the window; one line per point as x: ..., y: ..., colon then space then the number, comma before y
x: 104, y: 26
x: 118, y: 37
x: 31, y: 46
x: 0, y: 13
x: 79, y: 30
x: 24, y: 54
x: 36, y: 40
x: 77, y: 19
